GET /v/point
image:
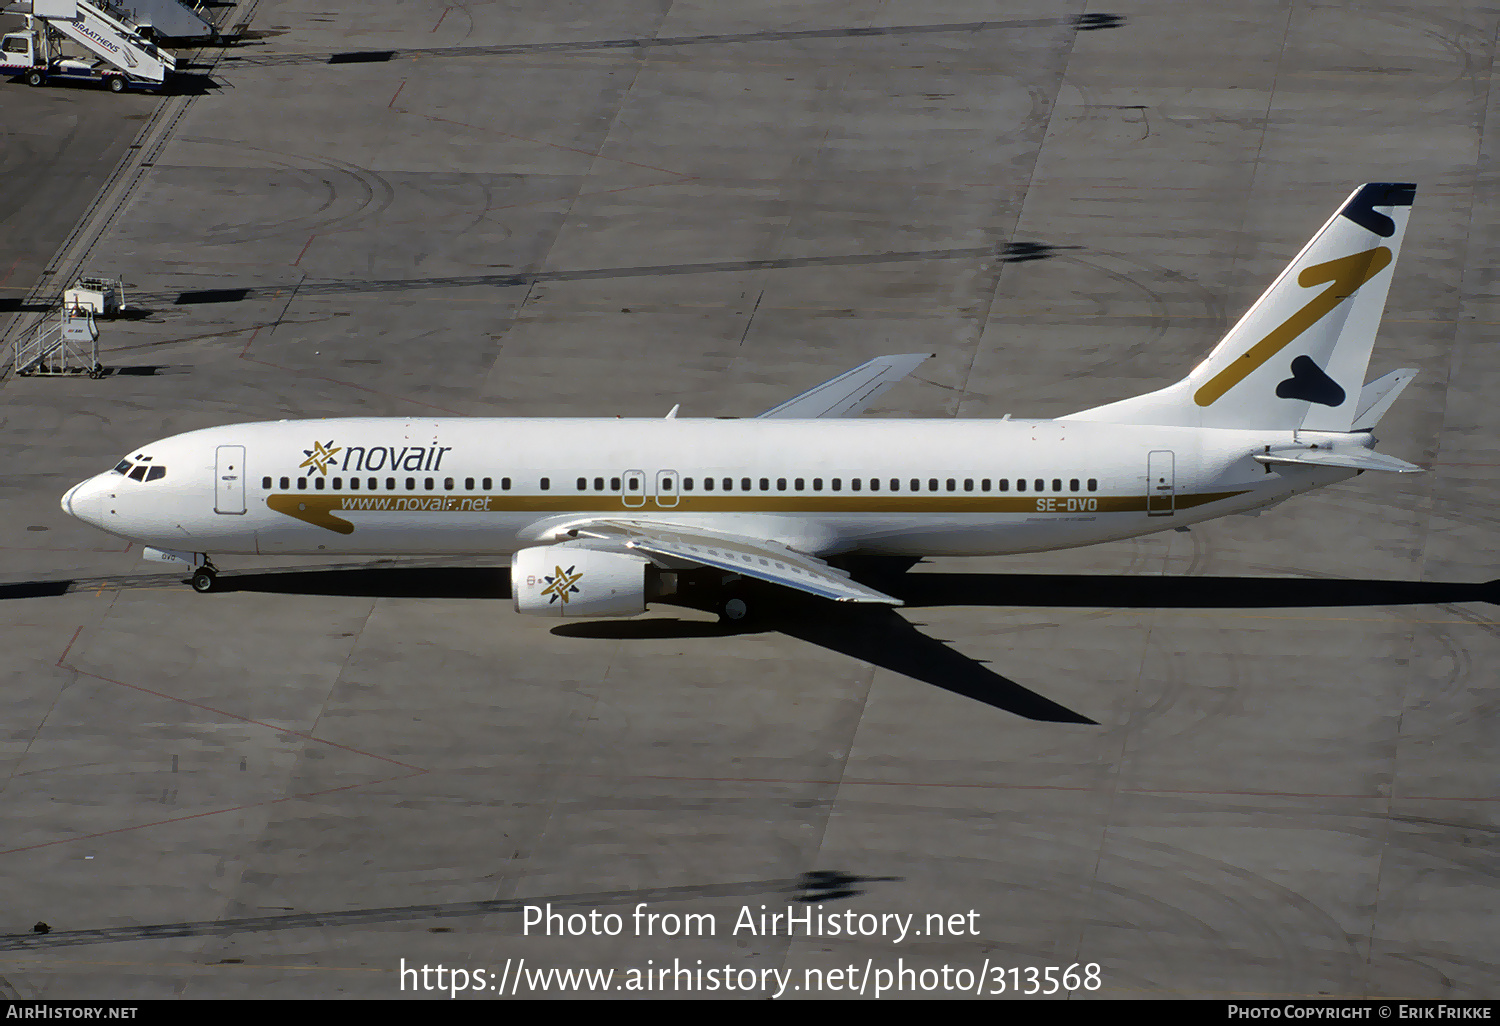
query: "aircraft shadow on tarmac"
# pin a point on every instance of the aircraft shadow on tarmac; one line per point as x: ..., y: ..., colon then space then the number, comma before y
x: 883, y: 636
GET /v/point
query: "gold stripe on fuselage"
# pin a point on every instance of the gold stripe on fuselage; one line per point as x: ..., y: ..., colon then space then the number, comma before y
x: 319, y: 508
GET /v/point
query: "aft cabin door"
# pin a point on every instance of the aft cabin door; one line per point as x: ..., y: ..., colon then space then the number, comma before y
x: 229, y: 480
x: 1161, y: 484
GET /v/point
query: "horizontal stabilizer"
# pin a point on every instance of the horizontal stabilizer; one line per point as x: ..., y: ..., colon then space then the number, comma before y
x: 1359, y: 459
x: 849, y: 394
x: 1376, y: 397
x: 762, y: 560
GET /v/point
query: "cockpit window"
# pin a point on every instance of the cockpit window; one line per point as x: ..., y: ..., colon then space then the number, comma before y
x: 138, y: 474
x: 156, y: 473
x: 122, y: 466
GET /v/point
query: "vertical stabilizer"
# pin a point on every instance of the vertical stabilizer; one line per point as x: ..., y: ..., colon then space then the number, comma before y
x: 1297, y: 359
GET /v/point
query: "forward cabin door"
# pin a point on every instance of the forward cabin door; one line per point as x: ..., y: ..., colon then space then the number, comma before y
x: 1161, y: 484
x: 229, y: 479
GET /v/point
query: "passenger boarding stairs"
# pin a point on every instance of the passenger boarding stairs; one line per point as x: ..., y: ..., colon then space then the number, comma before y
x: 101, y: 30
x: 65, y: 341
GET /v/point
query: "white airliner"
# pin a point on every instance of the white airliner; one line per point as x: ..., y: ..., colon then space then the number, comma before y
x: 602, y: 515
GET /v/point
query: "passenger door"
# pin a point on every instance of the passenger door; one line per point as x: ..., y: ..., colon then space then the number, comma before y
x: 1161, y: 483
x: 229, y: 479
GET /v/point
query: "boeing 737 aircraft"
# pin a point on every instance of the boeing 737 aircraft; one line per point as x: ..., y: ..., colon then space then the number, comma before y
x: 603, y: 515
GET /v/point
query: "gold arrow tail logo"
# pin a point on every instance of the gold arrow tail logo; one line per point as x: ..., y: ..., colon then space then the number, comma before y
x: 1343, y: 276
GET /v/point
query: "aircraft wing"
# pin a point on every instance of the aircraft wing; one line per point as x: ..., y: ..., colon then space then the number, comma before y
x: 852, y: 391
x: 762, y: 560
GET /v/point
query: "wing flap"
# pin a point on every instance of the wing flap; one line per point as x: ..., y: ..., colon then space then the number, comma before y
x: 762, y: 560
x: 851, y: 393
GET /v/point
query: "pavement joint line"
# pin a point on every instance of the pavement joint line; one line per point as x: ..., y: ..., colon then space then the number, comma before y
x: 236, y: 716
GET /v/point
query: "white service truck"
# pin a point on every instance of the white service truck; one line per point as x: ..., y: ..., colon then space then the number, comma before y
x: 83, y: 40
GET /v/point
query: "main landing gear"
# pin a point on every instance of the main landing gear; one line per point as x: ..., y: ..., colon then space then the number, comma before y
x: 735, y: 603
x: 205, y: 578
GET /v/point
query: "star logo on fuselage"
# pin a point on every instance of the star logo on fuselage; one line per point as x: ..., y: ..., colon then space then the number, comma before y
x: 561, y: 584
x: 320, y: 455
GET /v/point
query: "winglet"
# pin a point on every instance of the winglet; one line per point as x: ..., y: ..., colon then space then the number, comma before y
x: 849, y: 394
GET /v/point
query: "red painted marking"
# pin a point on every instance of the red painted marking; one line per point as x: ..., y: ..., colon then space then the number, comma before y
x: 440, y: 18
x: 11, y: 271
x: 249, y: 342
x: 69, y: 648
x: 395, y: 94
x: 304, y: 250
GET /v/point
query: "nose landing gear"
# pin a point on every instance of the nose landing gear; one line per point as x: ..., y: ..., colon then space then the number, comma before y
x: 205, y: 578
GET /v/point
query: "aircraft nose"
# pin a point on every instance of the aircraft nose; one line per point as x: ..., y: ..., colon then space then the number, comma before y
x: 85, y: 501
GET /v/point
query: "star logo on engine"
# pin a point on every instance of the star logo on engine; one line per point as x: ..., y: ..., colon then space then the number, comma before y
x: 320, y: 455
x: 561, y: 584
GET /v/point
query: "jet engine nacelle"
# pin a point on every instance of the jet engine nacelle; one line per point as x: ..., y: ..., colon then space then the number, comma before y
x: 567, y: 580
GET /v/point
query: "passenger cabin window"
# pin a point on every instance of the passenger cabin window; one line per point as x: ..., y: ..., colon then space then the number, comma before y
x: 427, y: 483
x: 614, y: 484
x: 838, y: 484
x: 708, y: 484
x: 1093, y: 485
x: 546, y: 484
x: 1020, y: 484
x: 1040, y: 484
x: 583, y: 484
x: 687, y: 484
x: 447, y: 484
x: 1057, y: 484
x: 932, y: 484
x: 390, y: 483
x: 265, y: 482
x: 1004, y: 483
x: 301, y: 484
x: 744, y: 484
x: 505, y: 484
x: 411, y: 484
x: 318, y: 483
x: 468, y: 484
x: 372, y: 483
x: 1073, y: 485
x: 286, y: 483
x: 598, y: 484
